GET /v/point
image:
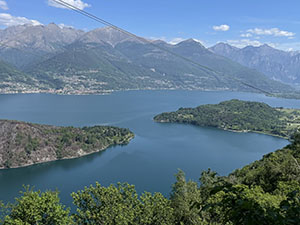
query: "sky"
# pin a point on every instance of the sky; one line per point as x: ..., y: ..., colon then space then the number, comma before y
x: 237, y: 22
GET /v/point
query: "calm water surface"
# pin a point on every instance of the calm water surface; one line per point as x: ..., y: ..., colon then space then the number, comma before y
x: 152, y: 158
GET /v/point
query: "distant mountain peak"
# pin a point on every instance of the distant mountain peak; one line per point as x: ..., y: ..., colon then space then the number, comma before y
x: 266, y: 46
x: 108, y: 29
x: 276, y: 64
x: 263, y: 46
x: 224, y: 45
x: 107, y: 34
x: 158, y: 41
x: 52, y: 26
x: 191, y: 42
x: 224, y: 49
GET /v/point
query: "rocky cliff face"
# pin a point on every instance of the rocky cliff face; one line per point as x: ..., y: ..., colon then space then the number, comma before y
x: 43, y: 38
x: 276, y: 64
x: 26, y: 44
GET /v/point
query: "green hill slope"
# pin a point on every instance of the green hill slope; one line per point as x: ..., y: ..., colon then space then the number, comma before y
x: 238, y: 115
x: 12, y: 79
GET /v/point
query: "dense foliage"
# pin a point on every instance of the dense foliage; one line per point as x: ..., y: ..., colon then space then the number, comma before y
x: 264, y: 192
x: 34, y: 207
x: 238, y: 115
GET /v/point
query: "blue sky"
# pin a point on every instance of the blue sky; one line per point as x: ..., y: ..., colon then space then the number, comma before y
x: 237, y: 22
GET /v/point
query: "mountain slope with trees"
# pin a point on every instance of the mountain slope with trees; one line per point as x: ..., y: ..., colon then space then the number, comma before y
x: 66, y: 60
x: 131, y: 64
x: 13, y: 80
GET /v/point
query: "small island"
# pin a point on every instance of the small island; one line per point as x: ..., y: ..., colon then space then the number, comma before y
x: 24, y: 144
x: 239, y: 116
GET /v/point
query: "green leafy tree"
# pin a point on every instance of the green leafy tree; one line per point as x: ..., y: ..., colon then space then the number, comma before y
x: 113, y: 205
x: 240, y: 204
x: 35, y: 207
x: 156, y: 209
x: 291, y: 208
x: 185, y: 199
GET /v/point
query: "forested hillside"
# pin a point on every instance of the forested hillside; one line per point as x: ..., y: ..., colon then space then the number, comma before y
x: 13, y: 79
x: 24, y: 144
x: 238, y: 115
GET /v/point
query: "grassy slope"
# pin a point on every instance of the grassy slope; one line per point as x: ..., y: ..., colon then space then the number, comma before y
x: 10, y: 74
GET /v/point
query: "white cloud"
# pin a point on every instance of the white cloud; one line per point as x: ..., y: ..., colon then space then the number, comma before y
x: 9, y: 20
x: 295, y: 46
x: 175, y: 41
x: 244, y: 42
x: 77, y: 3
x: 62, y: 26
x: 223, y: 27
x: 200, y: 41
x: 3, y: 5
x: 158, y: 38
x: 247, y: 35
x: 247, y: 42
x: 273, y: 32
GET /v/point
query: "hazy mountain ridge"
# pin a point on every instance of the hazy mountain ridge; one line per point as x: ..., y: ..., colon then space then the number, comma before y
x: 25, y: 44
x: 276, y: 64
x: 105, y: 59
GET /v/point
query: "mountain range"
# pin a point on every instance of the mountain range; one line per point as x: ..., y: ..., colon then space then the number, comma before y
x: 276, y: 64
x: 68, y: 60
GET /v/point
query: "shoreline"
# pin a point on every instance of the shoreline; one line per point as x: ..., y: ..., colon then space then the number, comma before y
x: 107, y: 92
x: 258, y: 132
x: 225, y: 129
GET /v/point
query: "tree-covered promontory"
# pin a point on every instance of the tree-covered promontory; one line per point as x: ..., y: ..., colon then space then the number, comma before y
x: 24, y: 144
x: 237, y: 115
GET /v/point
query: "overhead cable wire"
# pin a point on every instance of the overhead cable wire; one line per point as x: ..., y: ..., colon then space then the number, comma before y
x: 104, y: 22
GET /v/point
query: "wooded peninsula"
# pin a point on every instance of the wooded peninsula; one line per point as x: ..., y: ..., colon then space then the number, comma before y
x: 24, y: 144
x: 239, y: 116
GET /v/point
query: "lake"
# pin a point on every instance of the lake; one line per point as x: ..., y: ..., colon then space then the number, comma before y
x: 152, y: 157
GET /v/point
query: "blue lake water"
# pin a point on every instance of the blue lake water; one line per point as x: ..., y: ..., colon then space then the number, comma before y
x: 153, y: 156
